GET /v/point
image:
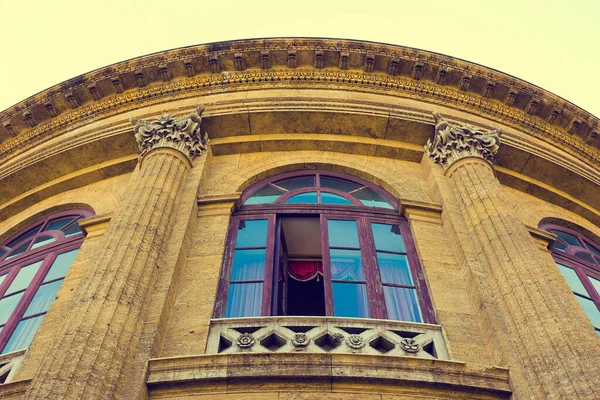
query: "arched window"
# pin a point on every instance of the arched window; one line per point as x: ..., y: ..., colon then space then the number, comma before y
x: 33, y: 264
x: 319, y: 243
x: 578, y: 259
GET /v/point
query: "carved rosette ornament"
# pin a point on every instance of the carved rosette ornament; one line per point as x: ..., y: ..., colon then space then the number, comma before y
x: 409, y: 345
x: 355, y: 342
x: 182, y: 134
x: 245, y: 340
x: 452, y: 143
x: 300, y: 340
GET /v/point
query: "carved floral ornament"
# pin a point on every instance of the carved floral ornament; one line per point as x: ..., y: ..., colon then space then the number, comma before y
x: 182, y: 134
x: 452, y: 143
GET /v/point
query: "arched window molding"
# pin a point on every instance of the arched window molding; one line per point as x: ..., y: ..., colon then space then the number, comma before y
x: 33, y: 264
x: 578, y: 259
x: 321, y: 243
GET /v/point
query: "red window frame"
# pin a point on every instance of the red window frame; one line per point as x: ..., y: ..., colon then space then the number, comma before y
x: 583, y: 268
x: 46, y: 253
x: 363, y: 215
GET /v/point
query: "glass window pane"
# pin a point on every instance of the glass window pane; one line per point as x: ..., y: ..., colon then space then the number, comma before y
x: 73, y: 229
x: 593, y: 249
x: 402, y: 304
x: 346, y: 265
x: 244, y: 300
x: 24, y: 236
x: 20, y: 250
x: 371, y: 198
x: 591, y: 310
x: 572, y: 240
x: 330, y: 198
x: 342, y: 233
x: 23, y: 334
x: 24, y: 277
x: 41, y: 241
x: 61, y: 265
x: 7, y: 306
x: 44, y: 296
x: 248, y: 265
x: 388, y: 237
x: 296, y: 183
x: 394, y: 269
x: 595, y: 283
x: 559, y: 245
x: 252, y: 233
x: 573, y: 280
x: 265, y: 195
x: 350, y: 300
x: 2, y: 278
x: 584, y: 256
x: 3, y: 252
x: 339, y: 184
x: 58, y: 223
x: 303, y: 198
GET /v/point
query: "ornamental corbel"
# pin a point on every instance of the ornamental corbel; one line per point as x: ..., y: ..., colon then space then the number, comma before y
x: 452, y: 143
x: 182, y: 134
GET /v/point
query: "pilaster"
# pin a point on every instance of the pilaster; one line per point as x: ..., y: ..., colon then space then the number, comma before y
x: 102, y: 336
x: 524, y: 316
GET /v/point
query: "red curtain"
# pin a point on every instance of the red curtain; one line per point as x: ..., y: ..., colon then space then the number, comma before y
x: 305, y: 270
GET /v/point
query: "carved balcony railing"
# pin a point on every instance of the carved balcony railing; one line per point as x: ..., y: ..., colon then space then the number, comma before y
x: 326, y: 335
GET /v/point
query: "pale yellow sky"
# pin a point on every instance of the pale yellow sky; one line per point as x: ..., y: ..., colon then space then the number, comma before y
x: 552, y: 44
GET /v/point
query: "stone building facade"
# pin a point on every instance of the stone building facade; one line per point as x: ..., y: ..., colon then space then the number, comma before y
x: 299, y: 219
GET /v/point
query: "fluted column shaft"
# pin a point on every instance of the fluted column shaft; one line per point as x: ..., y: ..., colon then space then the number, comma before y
x: 94, y: 349
x: 529, y: 328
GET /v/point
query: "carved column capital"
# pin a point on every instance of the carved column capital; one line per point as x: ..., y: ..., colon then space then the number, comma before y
x: 452, y: 143
x: 182, y: 134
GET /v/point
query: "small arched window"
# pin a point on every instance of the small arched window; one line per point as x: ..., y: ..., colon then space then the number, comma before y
x: 33, y: 264
x: 578, y: 259
x: 320, y: 243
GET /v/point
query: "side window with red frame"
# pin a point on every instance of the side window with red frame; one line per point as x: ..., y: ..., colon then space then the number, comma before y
x: 33, y: 264
x: 578, y: 259
x: 321, y: 244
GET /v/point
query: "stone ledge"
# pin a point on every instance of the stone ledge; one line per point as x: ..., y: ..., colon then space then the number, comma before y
x: 96, y: 225
x: 327, y: 371
x: 14, y: 390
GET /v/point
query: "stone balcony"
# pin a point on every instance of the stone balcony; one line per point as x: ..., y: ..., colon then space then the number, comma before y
x: 326, y: 335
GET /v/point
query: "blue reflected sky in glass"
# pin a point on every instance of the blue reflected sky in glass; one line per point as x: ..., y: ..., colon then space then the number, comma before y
x: 41, y: 241
x: 19, y: 250
x: 591, y: 310
x: 346, y: 265
x: 386, y: 238
x: 58, y: 223
x: 339, y: 184
x: 44, y: 296
x: 244, y: 300
x: 24, y: 277
x: 252, y: 233
x: 7, y: 306
x: 350, y: 300
x: 265, y: 195
x: 61, y: 265
x: 401, y: 304
x: 331, y: 198
x: 596, y: 283
x: 2, y: 278
x: 73, y: 229
x: 296, y: 183
x: 23, y: 334
x: 248, y: 265
x: 303, y: 198
x: 394, y: 269
x: 371, y: 198
x: 24, y: 236
x: 573, y: 280
x: 572, y: 240
x: 342, y: 233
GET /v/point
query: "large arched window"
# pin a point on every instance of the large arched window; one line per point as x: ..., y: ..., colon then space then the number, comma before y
x: 319, y: 243
x: 33, y: 264
x: 578, y: 259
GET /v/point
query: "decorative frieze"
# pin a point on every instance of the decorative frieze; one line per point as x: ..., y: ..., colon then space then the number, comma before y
x: 452, y: 143
x: 182, y: 134
x: 326, y: 335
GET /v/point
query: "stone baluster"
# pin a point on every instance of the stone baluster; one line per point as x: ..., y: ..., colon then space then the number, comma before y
x: 521, y: 312
x: 93, y: 352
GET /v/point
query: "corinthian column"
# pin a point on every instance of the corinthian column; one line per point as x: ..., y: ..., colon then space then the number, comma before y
x: 524, y: 318
x: 93, y: 352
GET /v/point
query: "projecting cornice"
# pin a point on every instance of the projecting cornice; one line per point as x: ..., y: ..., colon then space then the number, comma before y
x: 300, y: 63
